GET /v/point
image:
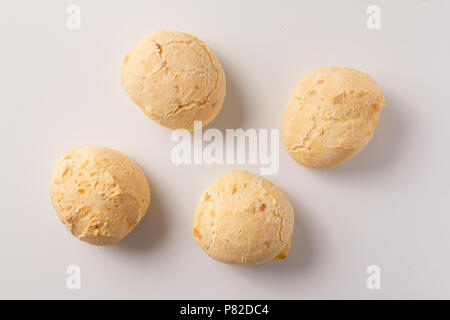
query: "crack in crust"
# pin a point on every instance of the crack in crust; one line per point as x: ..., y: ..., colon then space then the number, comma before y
x: 338, y: 99
x: 199, y: 104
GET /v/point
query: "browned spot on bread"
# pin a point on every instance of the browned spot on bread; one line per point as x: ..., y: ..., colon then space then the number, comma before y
x: 234, y: 189
x: 158, y: 46
x: 263, y: 207
x: 196, y: 233
x: 340, y: 98
x: 125, y: 61
x: 375, y: 107
x: 281, y: 256
x: 207, y: 196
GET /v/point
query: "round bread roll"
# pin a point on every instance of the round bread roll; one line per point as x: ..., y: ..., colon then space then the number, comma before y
x: 331, y: 116
x: 175, y: 79
x: 243, y: 219
x: 99, y: 194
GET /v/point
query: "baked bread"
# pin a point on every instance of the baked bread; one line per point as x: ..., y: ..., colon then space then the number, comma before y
x: 99, y: 194
x: 175, y: 79
x: 331, y: 116
x: 243, y: 219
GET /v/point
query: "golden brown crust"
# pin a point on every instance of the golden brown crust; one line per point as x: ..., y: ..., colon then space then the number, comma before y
x: 243, y: 219
x: 99, y: 194
x: 175, y: 79
x: 331, y: 116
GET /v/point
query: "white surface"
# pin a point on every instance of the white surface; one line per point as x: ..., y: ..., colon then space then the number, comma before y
x: 387, y: 206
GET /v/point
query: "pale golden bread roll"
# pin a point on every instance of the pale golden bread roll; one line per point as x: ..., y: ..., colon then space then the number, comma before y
x: 331, y: 116
x: 175, y: 79
x: 243, y: 219
x: 99, y: 194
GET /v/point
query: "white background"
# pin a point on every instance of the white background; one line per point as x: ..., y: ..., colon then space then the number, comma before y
x: 387, y: 206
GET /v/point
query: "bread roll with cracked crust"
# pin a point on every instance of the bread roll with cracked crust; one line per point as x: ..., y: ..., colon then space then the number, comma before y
x: 331, y: 116
x: 243, y: 219
x: 99, y: 194
x: 175, y: 79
